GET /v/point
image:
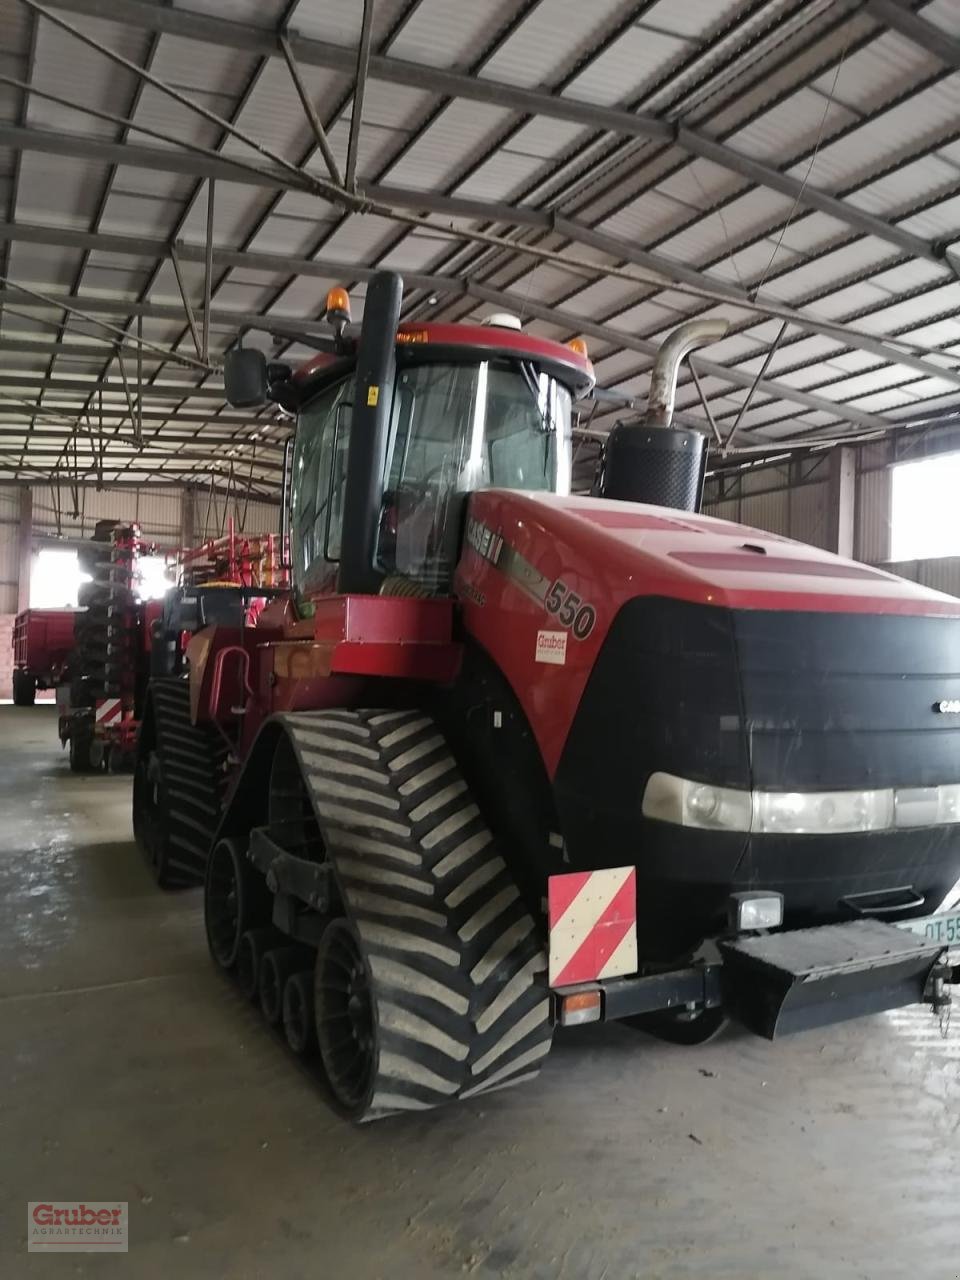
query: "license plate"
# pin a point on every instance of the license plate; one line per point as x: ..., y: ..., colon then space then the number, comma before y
x: 944, y: 928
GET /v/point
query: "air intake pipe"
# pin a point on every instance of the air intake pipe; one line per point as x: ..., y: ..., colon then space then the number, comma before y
x: 652, y: 461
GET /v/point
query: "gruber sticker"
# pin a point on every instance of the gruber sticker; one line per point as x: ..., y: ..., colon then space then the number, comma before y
x: 552, y: 647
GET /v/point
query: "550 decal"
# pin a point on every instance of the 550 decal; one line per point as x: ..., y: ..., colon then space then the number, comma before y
x: 570, y: 610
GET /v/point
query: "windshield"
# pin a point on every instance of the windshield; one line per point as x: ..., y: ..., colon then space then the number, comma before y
x: 460, y: 427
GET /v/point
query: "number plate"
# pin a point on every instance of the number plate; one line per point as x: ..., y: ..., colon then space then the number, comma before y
x: 944, y: 928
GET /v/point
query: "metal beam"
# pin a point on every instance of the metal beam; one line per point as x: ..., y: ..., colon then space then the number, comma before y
x: 916, y: 29
x: 889, y: 351
x: 739, y: 378
x: 771, y: 352
x: 160, y: 391
x: 202, y: 354
x: 208, y: 269
x: 316, y: 124
x: 231, y: 320
x: 228, y: 34
x: 9, y: 431
x: 359, y: 89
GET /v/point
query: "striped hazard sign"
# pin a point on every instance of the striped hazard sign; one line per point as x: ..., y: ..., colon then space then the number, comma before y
x: 109, y: 710
x: 593, y: 925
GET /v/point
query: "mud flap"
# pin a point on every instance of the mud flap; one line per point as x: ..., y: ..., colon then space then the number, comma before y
x: 804, y: 978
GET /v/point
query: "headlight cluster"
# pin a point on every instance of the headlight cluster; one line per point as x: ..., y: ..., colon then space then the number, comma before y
x: 698, y: 804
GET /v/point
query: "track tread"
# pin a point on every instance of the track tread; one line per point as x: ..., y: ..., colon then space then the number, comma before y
x: 192, y: 761
x: 452, y: 953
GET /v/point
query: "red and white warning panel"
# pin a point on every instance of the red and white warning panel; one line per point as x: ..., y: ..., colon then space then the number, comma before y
x: 109, y: 711
x: 593, y: 925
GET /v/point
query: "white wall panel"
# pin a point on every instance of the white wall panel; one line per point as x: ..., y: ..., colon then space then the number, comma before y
x: 872, y: 542
x: 768, y: 511
x: 808, y: 514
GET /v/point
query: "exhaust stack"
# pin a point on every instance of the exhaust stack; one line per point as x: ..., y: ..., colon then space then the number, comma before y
x: 666, y: 367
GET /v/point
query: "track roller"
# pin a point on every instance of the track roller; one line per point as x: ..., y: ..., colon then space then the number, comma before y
x: 254, y: 944
x: 276, y: 966
x: 298, y: 1017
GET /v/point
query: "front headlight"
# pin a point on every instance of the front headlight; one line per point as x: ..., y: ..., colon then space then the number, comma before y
x: 796, y: 813
x: 698, y: 804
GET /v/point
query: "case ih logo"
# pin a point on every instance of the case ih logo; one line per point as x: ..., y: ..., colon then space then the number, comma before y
x: 77, y: 1226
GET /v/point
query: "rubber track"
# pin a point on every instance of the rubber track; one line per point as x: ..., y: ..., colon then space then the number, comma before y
x: 192, y: 761
x: 452, y: 952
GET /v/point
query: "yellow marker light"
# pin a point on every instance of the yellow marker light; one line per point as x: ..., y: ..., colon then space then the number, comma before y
x: 578, y: 1007
x: 579, y: 346
x: 338, y: 302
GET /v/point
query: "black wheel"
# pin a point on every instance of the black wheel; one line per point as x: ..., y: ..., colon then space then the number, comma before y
x: 24, y: 689
x: 99, y: 753
x: 150, y: 814
x: 79, y: 751
x: 235, y: 899
x: 679, y: 1027
x: 346, y: 1018
x: 299, y: 1025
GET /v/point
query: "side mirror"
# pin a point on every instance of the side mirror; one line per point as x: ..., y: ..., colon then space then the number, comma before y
x: 245, y: 377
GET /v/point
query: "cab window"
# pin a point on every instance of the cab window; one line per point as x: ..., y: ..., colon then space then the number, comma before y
x: 319, y: 476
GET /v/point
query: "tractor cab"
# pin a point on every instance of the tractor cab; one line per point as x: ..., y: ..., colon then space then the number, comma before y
x: 399, y: 423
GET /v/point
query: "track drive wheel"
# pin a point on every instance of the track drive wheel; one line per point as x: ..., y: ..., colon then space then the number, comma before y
x: 347, y: 1023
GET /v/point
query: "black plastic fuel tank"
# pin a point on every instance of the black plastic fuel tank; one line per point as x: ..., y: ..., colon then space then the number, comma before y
x: 660, y: 465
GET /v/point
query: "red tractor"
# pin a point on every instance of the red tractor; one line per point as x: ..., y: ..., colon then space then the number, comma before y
x: 503, y: 758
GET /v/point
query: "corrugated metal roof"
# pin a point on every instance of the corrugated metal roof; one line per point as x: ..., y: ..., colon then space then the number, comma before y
x: 761, y: 80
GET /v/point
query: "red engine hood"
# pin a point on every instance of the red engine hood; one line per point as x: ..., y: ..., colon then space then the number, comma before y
x: 542, y: 577
x: 712, y: 561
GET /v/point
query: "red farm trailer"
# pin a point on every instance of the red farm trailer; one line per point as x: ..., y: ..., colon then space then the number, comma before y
x: 42, y: 643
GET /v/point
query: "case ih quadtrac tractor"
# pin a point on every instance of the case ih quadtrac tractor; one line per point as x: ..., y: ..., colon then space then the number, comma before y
x: 503, y: 758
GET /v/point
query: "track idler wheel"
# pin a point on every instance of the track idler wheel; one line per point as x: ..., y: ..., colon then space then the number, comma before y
x: 253, y: 946
x: 275, y: 968
x: 346, y: 1019
x: 299, y: 1024
x: 235, y: 900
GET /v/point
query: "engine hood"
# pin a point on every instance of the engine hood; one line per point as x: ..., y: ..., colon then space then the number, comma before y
x: 711, y: 561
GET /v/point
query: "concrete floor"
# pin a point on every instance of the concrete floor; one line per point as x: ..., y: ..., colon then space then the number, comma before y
x: 128, y: 1070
